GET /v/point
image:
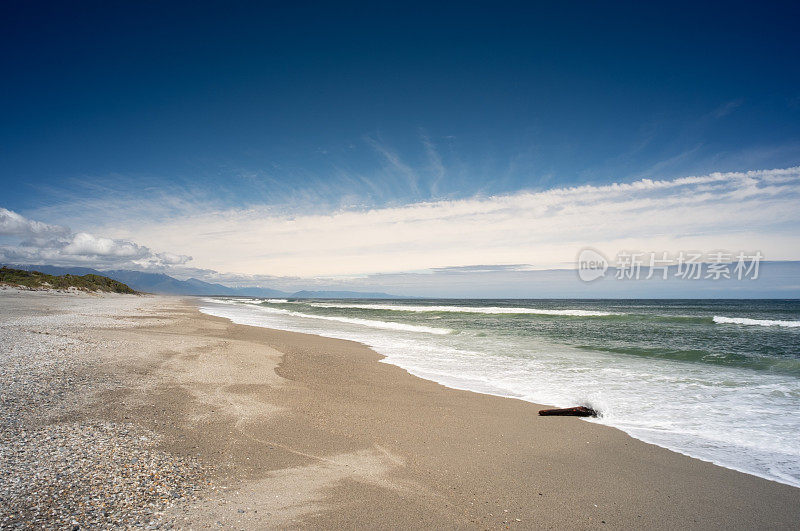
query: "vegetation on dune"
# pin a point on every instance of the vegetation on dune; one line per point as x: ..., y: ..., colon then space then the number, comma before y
x: 35, y: 279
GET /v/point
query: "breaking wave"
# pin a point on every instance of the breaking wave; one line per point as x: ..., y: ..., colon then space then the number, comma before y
x: 755, y: 322
x: 464, y: 309
x: 371, y: 323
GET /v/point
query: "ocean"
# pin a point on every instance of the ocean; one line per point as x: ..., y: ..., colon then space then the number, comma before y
x: 716, y: 380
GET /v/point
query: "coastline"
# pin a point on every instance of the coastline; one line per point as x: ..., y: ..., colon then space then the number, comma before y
x: 300, y: 430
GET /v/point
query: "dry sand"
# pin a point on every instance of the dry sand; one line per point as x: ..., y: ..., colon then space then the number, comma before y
x: 296, y: 430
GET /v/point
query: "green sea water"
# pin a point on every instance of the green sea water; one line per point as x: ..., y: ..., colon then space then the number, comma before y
x: 717, y: 380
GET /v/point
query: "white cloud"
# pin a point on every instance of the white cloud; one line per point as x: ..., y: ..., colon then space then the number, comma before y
x: 84, y: 244
x: 34, y: 242
x: 737, y: 211
x: 12, y: 224
x: 539, y: 229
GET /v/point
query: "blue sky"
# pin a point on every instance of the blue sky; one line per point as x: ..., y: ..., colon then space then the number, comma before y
x: 125, y: 114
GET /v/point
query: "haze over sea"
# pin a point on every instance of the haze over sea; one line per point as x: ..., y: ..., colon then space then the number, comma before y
x: 716, y: 380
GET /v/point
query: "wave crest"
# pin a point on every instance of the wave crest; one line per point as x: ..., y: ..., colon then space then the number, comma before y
x: 386, y: 325
x: 755, y: 322
x: 465, y: 309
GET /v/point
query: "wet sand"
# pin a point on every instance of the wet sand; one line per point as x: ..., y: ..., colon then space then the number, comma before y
x: 296, y: 430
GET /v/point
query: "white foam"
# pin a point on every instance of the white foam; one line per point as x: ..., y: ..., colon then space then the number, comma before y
x: 737, y: 418
x: 237, y: 300
x: 277, y: 301
x: 755, y: 322
x: 384, y: 325
x: 464, y: 309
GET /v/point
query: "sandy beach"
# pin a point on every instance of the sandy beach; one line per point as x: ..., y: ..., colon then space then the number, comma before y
x: 212, y: 424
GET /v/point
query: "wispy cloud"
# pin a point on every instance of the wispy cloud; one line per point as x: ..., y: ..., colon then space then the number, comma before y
x: 754, y: 210
x: 726, y: 108
x: 435, y: 165
x: 670, y: 163
x: 743, y: 210
x: 395, y: 163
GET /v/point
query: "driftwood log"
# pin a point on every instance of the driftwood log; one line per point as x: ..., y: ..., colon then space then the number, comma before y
x: 579, y: 411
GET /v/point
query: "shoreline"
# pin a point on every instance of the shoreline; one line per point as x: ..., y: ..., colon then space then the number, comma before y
x: 295, y: 430
x: 587, y: 420
x: 286, y: 342
x: 394, y: 356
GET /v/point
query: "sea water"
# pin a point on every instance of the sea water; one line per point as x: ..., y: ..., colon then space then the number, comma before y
x: 715, y: 380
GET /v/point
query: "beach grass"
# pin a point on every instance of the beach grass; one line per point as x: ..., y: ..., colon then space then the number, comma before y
x: 37, y: 280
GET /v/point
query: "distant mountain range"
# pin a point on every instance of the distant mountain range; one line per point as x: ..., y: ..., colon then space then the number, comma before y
x: 167, y: 285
